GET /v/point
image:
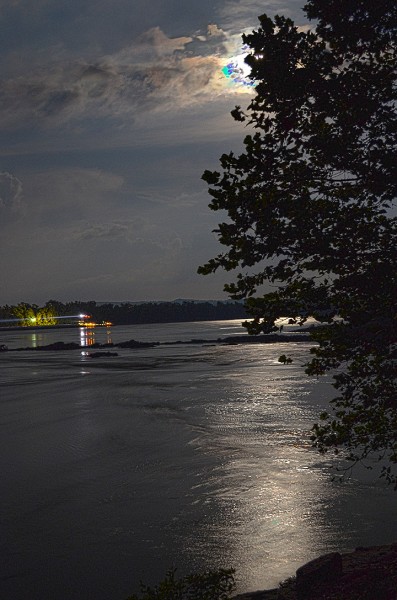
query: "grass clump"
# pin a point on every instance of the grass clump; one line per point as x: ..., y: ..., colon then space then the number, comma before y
x: 212, y: 585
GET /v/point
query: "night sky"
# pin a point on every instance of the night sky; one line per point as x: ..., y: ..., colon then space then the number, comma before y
x: 110, y: 112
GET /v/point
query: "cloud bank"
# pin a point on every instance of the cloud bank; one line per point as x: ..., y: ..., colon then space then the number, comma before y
x: 154, y: 74
x: 110, y: 113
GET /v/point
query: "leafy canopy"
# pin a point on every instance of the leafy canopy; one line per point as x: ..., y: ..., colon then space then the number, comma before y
x: 310, y: 206
x: 30, y: 315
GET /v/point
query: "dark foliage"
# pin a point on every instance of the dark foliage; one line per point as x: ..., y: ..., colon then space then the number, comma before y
x: 213, y: 585
x: 311, y: 207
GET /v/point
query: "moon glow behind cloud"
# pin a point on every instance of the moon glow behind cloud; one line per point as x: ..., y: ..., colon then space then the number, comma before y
x: 237, y: 70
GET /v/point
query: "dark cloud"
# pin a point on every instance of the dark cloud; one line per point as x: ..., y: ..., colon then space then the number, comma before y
x: 97, y: 26
x: 116, y: 230
x: 58, y: 101
x: 241, y: 15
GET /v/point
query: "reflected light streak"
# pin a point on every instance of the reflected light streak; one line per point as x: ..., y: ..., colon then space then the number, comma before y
x: 87, y: 336
x: 268, y: 485
x: 34, y: 340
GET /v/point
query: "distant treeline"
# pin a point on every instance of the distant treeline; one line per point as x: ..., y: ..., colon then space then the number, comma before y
x: 120, y: 314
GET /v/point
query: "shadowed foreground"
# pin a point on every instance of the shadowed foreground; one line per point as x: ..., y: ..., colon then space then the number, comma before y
x: 365, y: 574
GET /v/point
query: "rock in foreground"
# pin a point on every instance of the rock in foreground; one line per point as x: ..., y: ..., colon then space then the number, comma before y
x: 365, y: 574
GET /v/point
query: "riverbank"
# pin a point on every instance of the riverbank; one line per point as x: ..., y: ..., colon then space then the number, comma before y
x: 367, y: 573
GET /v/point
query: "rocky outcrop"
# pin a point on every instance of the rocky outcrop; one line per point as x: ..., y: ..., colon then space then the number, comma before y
x: 101, y: 354
x: 368, y: 573
x: 56, y: 346
x: 323, y: 571
x: 135, y: 344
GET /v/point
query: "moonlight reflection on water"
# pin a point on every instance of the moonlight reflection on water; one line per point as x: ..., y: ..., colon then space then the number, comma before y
x: 118, y: 468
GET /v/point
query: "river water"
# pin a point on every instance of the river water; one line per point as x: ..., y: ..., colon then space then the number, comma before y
x: 116, y: 469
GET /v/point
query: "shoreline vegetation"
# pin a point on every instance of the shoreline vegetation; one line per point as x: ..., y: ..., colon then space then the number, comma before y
x: 59, y: 314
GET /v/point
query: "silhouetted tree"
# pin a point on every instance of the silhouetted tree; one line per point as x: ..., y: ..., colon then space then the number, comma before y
x: 310, y: 207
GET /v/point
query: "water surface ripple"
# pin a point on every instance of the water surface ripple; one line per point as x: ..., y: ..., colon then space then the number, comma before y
x: 115, y: 469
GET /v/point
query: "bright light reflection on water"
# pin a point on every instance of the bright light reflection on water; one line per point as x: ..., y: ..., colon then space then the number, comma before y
x: 265, y: 488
